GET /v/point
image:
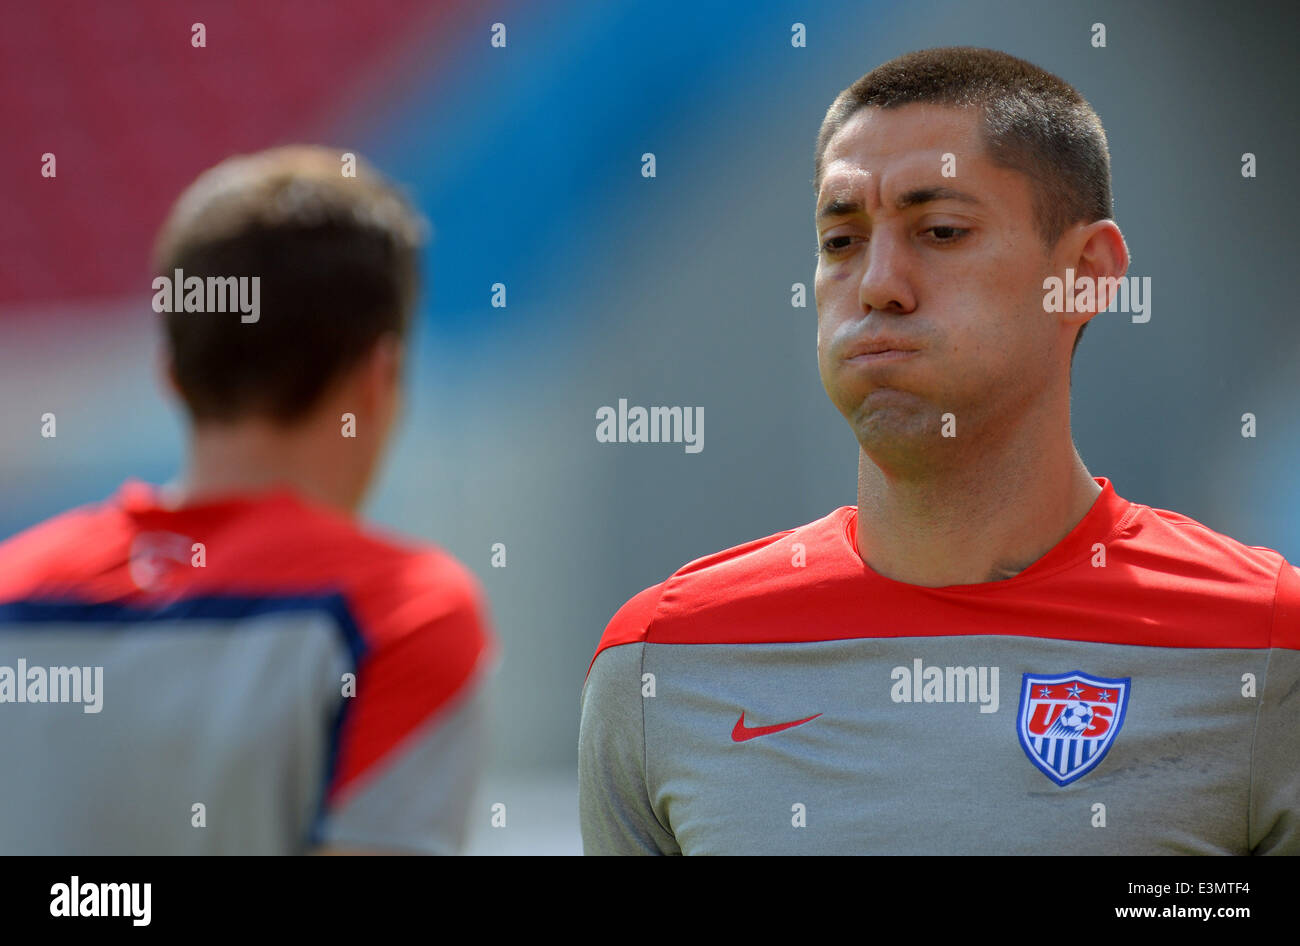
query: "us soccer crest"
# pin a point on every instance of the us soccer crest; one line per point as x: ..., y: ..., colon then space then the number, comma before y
x: 1068, y: 722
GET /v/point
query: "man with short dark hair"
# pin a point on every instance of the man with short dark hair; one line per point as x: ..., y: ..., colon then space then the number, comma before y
x: 256, y: 672
x: 993, y: 652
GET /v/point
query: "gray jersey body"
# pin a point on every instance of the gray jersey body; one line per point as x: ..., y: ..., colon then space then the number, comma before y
x: 1193, y: 770
x: 215, y: 735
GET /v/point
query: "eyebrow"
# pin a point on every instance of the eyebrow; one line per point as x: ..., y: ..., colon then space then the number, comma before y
x: 843, y: 207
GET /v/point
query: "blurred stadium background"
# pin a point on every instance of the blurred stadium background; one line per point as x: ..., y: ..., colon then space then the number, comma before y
x: 673, y: 291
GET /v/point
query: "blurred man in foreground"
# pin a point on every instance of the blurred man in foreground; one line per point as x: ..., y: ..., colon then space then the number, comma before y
x: 231, y: 663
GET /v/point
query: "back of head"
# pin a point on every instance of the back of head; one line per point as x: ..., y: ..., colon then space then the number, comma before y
x: 336, y: 258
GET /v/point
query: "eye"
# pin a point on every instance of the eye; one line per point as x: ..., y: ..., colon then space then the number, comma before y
x: 834, y: 243
x: 946, y: 234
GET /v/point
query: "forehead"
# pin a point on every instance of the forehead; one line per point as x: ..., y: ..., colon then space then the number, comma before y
x: 911, y: 137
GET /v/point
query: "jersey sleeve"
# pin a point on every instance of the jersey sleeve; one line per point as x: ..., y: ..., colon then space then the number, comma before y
x: 616, y: 813
x: 1275, y: 758
x: 411, y: 747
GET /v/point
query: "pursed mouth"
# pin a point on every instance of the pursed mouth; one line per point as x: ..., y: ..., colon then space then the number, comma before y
x: 882, y: 353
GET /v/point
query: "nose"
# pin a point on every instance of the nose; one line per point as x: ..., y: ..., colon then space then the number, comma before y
x: 885, y: 283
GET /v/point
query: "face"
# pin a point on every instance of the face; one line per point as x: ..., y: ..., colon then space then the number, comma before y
x: 929, y: 287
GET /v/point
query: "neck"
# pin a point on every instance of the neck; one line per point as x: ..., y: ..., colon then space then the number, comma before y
x: 255, y: 456
x: 982, y: 518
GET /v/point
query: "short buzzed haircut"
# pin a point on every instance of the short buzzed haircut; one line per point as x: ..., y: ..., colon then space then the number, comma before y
x: 1034, y: 122
x: 337, y: 258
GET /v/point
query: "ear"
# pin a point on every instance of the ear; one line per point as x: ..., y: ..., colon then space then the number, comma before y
x: 382, y: 371
x: 387, y: 358
x: 1102, y: 258
x: 165, y: 369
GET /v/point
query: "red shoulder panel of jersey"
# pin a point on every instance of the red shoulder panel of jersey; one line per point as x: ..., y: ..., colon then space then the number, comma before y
x: 421, y: 614
x: 1286, y: 614
x: 426, y: 624
x: 1126, y: 574
x: 631, y: 622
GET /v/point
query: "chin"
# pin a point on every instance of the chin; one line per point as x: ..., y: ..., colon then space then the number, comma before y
x: 892, y: 405
x: 892, y: 420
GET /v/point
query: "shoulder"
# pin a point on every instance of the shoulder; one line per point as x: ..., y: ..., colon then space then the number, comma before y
x: 1171, y: 543
x: 1285, y: 631
x: 392, y: 584
x: 413, y: 596
x: 54, y: 552
x: 1163, y: 531
x: 743, y: 578
x: 424, y: 574
x: 1171, y: 552
x: 274, y: 546
x: 427, y: 648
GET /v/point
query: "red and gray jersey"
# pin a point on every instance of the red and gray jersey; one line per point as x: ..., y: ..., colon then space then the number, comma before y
x: 1135, y: 691
x: 249, y: 675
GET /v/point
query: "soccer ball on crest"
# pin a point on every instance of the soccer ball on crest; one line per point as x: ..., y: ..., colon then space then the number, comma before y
x: 1076, y: 717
